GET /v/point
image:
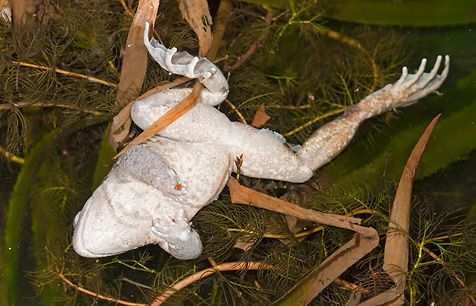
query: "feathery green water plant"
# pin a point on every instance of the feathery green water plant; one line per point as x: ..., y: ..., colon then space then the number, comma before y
x: 305, y: 70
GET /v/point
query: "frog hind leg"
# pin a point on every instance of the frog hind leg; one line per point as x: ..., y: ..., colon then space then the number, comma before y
x: 265, y: 154
x: 328, y: 141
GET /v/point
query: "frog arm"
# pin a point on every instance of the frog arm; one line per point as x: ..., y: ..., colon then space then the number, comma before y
x: 173, y: 232
x: 182, y: 63
x: 143, y: 164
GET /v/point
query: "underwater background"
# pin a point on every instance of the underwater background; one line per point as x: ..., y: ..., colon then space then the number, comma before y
x: 306, y: 62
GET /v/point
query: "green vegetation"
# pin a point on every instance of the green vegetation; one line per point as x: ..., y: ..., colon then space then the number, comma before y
x: 312, y: 61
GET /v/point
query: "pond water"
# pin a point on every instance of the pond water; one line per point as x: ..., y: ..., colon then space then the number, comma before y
x: 305, y: 63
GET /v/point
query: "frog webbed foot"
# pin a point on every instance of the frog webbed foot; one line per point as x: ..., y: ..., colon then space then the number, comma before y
x: 411, y: 87
x: 406, y: 91
x: 175, y: 235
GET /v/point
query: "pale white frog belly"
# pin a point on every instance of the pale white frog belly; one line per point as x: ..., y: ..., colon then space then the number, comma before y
x: 127, y: 206
x: 203, y: 169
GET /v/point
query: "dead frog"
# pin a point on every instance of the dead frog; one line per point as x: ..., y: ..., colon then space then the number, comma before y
x: 155, y: 189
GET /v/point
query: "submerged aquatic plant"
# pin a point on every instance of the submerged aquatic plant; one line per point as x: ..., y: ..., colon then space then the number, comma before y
x: 60, y: 80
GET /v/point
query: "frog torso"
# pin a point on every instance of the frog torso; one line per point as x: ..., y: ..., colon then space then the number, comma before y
x: 154, y: 189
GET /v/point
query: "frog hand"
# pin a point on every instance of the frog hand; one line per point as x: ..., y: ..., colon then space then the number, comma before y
x: 173, y: 232
x: 178, y: 62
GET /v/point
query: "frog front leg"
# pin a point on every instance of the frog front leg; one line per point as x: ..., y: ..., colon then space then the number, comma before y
x: 182, y: 63
x: 172, y: 231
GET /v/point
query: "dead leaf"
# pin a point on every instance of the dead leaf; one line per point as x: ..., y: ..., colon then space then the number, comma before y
x: 23, y: 12
x: 261, y: 117
x: 396, y: 244
x: 365, y: 240
x: 221, y: 20
x: 134, y: 66
x: 197, y: 14
x: 245, y: 242
x: 173, y: 114
x: 121, y: 123
x: 243, y: 195
x: 295, y: 225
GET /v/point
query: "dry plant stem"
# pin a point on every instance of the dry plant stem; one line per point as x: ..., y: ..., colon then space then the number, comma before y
x: 96, y: 295
x: 212, y: 262
x: 255, y: 45
x: 245, y: 56
x: 173, y: 114
x: 316, y: 119
x: 134, y: 63
x: 233, y: 107
x: 243, y: 195
x: 292, y: 107
x: 443, y: 237
x: 303, y: 233
x: 65, y: 72
x: 452, y: 272
x: 229, y: 266
x: 395, y: 261
x: 127, y: 9
x: 349, y: 286
x: 11, y: 157
x: 365, y: 240
x: 9, y: 106
x: 123, y: 118
x: 355, y: 44
x: 221, y: 20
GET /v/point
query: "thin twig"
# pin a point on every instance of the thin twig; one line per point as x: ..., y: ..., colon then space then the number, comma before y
x: 255, y: 45
x: 443, y: 237
x: 229, y: 266
x: 212, y: 262
x: 233, y: 107
x: 291, y: 107
x: 130, y: 281
x: 316, y: 119
x: 12, y: 157
x: 355, y: 44
x: 303, y: 233
x: 65, y: 72
x: 8, y: 106
x: 451, y: 271
x: 245, y: 56
x: 170, y: 117
x: 96, y: 295
x: 349, y: 286
x: 127, y: 9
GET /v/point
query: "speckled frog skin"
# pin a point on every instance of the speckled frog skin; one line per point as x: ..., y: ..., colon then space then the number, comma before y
x: 155, y: 189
